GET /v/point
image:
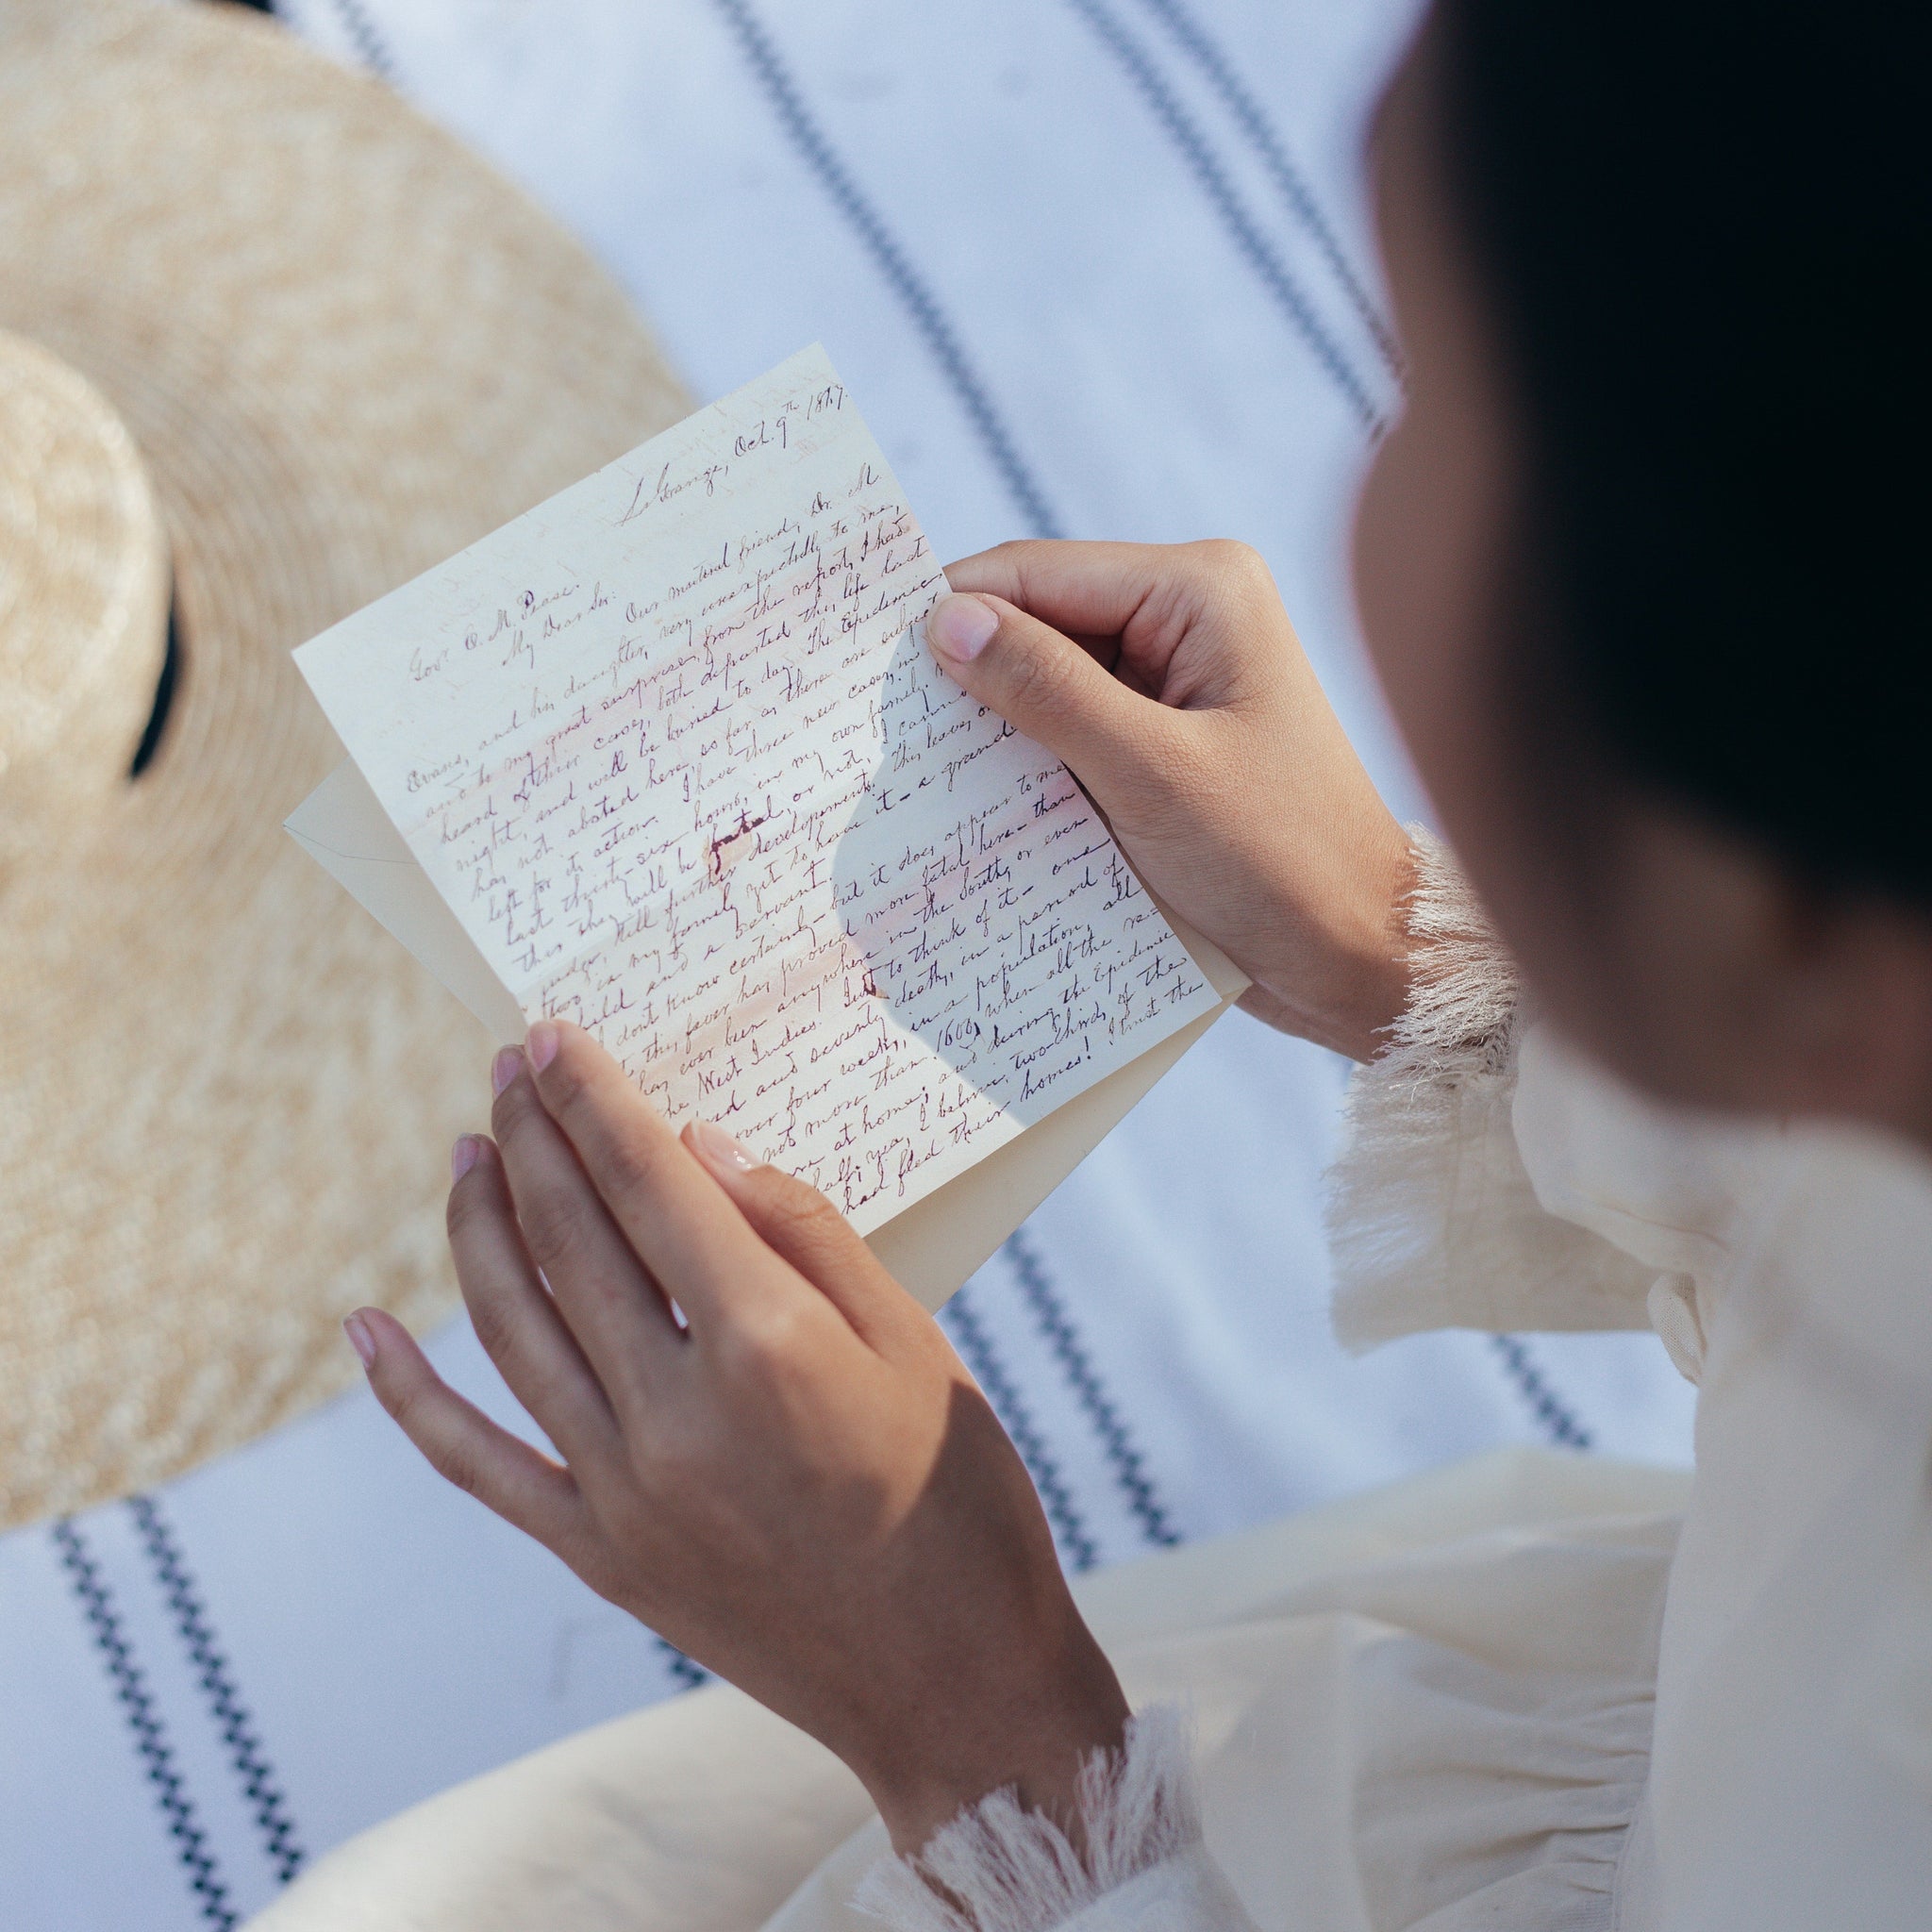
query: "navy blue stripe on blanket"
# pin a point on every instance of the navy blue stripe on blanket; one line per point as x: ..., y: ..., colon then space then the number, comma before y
x: 198, y: 1861
x: 1123, y: 1459
x: 259, y: 1789
x: 1558, y: 1419
x: 1249, y: 115
x: 802, y: 129
x: 686, y: 1673
x: 805, y: 135
x: 371, y: 48
x: 962, y: 1320
x: 1234, y: 212
x: 892, y: 260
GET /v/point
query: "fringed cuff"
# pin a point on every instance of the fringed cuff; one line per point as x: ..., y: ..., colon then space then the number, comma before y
x: 1433, y: 1219
x: 1427, y: 1119
x: 999, y: 1867
x: 1461, y: 1020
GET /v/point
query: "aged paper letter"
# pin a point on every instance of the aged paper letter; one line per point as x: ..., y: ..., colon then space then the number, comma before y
x: 673, y: 750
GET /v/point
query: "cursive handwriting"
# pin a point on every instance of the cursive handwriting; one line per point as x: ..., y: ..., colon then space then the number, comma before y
x: 701, y: 789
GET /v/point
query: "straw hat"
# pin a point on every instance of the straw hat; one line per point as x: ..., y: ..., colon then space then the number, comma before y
x: 276, y: 345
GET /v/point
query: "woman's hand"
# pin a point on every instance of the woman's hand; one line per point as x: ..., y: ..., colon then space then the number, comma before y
x: 1169, y: 681
x: 797, y: 1482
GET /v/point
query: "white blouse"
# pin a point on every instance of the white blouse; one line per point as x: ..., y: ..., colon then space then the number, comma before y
x: 1533, y: 1694
x: 1619, y: 1722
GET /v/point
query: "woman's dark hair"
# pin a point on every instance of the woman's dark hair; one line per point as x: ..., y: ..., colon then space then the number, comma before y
x: 1704, y: 229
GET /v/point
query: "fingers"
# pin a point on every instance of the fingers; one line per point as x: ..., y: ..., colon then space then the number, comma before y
x: 802, y: 1228
x: 665, y: 1204
x: 461, y: 1443
x: 1156, y: 604
x: 516, y: 1321
x: 1043, y: 684
x: 614, y: 1311
x: 1090, y: 590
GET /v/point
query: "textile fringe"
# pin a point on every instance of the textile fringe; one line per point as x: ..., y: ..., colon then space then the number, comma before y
x: 1455, y: 1044
x: 999, y: 1867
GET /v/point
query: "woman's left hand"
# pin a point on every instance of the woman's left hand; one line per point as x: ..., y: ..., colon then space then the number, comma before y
x: 797, y: 1483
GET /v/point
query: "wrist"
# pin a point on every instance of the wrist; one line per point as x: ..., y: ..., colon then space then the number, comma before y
x: 1033, y: 1746
x: 1345, y: 983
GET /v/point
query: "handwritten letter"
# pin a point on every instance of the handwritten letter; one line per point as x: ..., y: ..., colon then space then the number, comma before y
x: 672, y: 748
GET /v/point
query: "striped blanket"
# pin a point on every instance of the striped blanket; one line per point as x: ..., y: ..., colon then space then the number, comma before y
x: 1095, y: 267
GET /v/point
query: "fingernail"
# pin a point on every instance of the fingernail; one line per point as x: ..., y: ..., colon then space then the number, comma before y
x: 714, y: 1144
x: 462, y: 1157
x: 361, y: 1340
x: 542, y: 1044
x: 961, y: 627
x: 502, y: 1069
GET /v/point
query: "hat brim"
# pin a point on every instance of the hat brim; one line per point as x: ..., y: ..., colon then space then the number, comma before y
x: 346, y: 348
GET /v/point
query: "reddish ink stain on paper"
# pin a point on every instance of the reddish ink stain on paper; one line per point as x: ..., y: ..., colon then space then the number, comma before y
x: 734, y: 846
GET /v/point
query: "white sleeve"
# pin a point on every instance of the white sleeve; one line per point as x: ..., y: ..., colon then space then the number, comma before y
x: 1432, y: 1220
x: 997, y: 1868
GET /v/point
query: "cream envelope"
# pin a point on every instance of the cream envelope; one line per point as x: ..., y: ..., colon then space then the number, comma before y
x: 931, y: 1246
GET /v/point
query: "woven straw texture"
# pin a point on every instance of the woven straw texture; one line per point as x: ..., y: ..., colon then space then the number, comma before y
x: 83, y: 599
x: 343, y: 348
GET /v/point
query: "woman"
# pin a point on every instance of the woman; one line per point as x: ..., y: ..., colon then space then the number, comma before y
x: 1623, y: 569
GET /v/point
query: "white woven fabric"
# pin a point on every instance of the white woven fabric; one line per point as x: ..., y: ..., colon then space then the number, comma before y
x: 1456, y: 1666
x: 379, y: 1639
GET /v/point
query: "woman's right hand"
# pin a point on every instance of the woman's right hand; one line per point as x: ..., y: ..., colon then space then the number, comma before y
x: 1169, y: 681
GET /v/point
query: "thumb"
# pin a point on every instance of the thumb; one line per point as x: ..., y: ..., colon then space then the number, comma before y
x: 1041, y: 682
